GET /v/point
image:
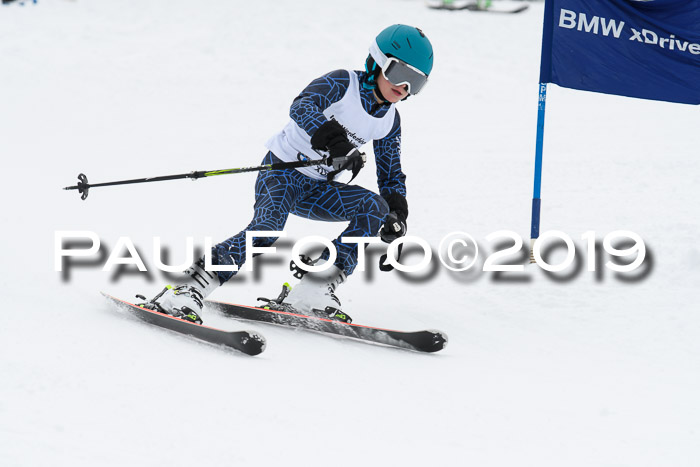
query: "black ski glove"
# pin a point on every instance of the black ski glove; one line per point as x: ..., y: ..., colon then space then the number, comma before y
x: 395, y: 222
x: 331, y: 137
x: 393, y: 228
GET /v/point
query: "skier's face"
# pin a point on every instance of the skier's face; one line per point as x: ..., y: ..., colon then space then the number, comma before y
x: 390, y: 92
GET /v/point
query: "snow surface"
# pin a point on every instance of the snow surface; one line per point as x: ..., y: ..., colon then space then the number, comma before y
x: 587, y: 371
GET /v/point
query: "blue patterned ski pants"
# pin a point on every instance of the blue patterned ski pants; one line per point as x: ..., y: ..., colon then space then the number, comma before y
x: 281, y: 192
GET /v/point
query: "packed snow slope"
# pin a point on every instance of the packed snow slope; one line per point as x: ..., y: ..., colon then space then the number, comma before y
x: 577, y: 368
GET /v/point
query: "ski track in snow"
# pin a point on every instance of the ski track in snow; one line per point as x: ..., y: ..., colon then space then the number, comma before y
x: 582, y: 372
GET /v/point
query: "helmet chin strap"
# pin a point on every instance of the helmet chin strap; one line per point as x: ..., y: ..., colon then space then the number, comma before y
x: 372, y: 73
x: 379, y: 96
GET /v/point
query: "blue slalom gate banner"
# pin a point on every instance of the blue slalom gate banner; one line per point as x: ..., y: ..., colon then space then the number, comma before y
x: 648, y: 49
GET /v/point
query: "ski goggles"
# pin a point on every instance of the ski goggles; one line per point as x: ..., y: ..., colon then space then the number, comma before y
x: 399, y: 73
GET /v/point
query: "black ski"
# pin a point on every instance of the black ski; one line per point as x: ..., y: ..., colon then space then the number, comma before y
x: 420, y: 341
x: 248, y: 342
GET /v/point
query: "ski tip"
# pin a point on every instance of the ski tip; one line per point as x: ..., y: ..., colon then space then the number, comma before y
x: 253, y: 343
x: 439, y: 340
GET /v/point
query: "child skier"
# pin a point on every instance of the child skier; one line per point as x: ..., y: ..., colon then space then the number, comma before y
x: 333, y: 116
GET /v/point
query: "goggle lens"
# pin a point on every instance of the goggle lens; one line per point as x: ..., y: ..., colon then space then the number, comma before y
x: 399, y: 73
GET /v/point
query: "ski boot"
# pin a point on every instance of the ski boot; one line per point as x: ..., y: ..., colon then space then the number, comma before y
x: 314, y: 295
x: 187, y: 300
x: 278, y: 304
x: 183, y: 302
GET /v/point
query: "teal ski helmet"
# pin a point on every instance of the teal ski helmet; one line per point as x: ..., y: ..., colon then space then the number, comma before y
x: 404, y: 54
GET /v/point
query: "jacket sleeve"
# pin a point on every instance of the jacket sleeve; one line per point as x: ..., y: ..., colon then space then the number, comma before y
x: 387, y: 153
x: 307, y: 108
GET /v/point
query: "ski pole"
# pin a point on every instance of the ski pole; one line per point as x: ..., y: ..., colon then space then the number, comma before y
x: 83, y: 186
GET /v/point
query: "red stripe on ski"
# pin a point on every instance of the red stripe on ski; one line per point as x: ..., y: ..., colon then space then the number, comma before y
x: 297, y: 315
x: 161, y: 314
